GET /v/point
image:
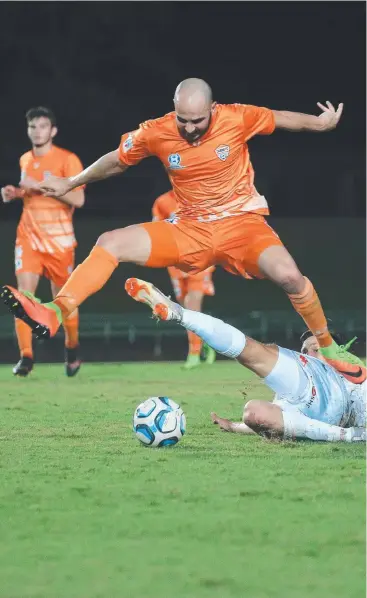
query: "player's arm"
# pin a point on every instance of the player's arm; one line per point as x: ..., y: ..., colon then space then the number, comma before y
x: 107, y: 166
x: 296, y: 121
x: 133, y: 148
x: 229, y: 426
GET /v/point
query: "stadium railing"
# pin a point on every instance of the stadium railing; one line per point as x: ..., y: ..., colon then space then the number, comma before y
x: 262, y: 325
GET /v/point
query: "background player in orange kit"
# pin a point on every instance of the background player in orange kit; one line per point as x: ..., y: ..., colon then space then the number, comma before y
x: 203, y: 146
x: 189, y: 289
x: 45, y: 240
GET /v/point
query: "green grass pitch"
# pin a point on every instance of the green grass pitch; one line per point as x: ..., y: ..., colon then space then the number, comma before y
x: 88, y: 512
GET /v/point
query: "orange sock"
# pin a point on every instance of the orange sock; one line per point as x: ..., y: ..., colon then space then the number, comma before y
x: 308, y: 306
x: 71, y: 328
x: 24, y: 336
x: 88, y: 278
x: 195, y: 343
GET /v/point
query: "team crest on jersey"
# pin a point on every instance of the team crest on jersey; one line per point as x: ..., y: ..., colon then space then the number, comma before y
x: 128, y: 143
x: 174, y: 161
x: 222, y: 152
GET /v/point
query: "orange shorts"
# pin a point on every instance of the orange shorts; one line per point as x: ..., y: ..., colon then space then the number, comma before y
x: 235, y: 243
x: 57, y: 266
x: 184, y: 283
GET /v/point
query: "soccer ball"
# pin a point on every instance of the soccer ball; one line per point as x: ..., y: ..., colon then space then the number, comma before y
x: 159, y: 421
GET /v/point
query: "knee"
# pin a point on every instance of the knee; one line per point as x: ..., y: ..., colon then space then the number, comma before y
x: 120, y: 243
x: 290, y: 279
x: 110, y: 241
x: 253, y: 413
x: 129, y: 244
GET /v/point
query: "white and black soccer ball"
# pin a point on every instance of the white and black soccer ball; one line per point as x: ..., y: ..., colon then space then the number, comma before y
x: 159, y: 421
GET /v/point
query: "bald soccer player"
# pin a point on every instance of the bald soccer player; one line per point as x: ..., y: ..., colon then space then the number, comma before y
x: 221, y: 215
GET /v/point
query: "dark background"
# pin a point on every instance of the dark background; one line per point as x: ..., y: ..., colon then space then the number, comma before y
x: 104, y: 67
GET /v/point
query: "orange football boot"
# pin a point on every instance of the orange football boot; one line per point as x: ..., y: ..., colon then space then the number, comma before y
x: 43, y: 319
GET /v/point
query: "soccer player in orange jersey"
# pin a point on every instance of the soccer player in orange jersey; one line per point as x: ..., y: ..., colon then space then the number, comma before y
x: 221, y: 217
x: 189, y: 289
x: 45, y: 237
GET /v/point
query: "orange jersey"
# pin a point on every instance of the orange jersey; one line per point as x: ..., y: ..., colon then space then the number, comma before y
x: 212, y: 178
x: 46, y: 222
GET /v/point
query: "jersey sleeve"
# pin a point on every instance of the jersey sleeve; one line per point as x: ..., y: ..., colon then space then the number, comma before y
x: 134, y: 146
x: 22, y: 166
x: 257, y: 121
x: 72, y: 167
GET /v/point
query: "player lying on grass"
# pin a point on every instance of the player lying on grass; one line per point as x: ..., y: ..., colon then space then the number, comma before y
x: 312, y: 400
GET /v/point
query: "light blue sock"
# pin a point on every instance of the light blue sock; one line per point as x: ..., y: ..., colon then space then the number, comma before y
x: 221, y: 337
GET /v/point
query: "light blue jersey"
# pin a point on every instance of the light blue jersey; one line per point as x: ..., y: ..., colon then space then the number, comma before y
x: 317, y: 390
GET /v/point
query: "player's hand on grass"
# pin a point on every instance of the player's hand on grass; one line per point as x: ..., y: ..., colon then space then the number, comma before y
x: 10, y: 192
x: 224, y: 424
x: 329, y: 117
x: 55, y: 186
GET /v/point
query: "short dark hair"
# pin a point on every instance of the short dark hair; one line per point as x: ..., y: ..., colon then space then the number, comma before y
x: 334, y: 335
x: 41, y: 111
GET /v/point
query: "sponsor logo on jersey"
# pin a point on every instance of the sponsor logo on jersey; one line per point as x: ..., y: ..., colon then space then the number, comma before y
x: 222, y: 152
x: 303, y: 359
x: 312, y: 398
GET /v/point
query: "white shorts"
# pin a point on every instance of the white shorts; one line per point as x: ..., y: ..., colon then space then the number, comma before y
x: 317, y: 390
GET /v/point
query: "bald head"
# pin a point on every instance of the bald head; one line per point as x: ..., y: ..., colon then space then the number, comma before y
x: 193, y: 93
x: 193, y: 105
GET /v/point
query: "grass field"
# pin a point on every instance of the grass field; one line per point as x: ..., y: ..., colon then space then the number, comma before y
x: 87, y: 512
